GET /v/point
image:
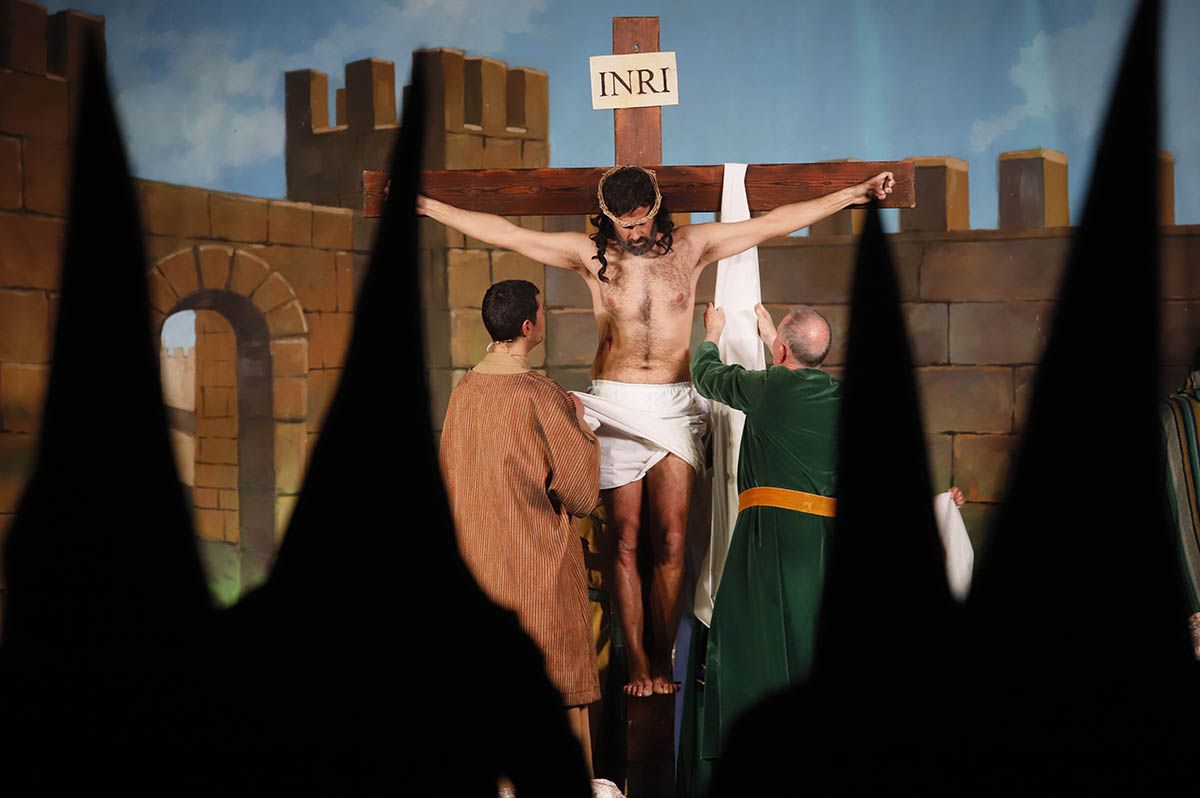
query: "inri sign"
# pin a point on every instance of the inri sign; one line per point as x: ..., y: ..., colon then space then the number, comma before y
x: 634, y: 81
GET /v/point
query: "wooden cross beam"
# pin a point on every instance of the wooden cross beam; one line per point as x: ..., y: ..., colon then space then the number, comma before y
x: 685, y: 189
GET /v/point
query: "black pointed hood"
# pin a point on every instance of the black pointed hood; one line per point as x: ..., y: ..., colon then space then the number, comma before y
x: 1078, y: 607
x: 101, y: 552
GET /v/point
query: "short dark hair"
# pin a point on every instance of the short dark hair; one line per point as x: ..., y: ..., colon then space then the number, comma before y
x: 507, y: 305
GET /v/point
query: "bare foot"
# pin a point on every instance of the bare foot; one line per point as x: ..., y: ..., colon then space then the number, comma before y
x: 665, y: 685
x: 640, y: 685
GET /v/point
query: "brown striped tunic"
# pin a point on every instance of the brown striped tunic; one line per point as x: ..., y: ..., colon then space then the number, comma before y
x: 518, y: 464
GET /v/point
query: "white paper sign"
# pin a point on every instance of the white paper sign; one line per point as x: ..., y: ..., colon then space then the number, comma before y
x: 638, y: 80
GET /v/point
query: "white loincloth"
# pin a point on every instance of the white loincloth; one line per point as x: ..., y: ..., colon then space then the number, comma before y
x: 638, y: 425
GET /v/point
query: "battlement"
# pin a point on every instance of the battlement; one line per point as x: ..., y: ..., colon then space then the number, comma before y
x: 38, y: 43
x: 1032, y: 195
x: 481, y: 113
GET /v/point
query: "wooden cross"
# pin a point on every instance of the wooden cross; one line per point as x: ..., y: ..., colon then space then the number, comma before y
x: 685, y: 189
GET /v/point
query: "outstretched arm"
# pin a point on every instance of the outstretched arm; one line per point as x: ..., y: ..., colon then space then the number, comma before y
x: 553, y: 249
x: 719, y: 240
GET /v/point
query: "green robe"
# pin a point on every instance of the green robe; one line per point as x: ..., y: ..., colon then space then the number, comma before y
x: 1180, y: 415
x: 764, y: 620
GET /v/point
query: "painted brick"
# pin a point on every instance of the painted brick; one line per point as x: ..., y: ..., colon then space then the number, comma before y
x: 535, y: 154
x: 22, y: 393
x: 514, y: 266
x: 180, y: 271
x: 289, y: 222
x: 222, y: 451
x: 571, y: 379
x: 210, y: 524
x: 215, y: 265
x: 344, y: 267
x: 207, y: 497
x: 233, y: 532
x: 272, y: 293
x: 290, y: 396
x: 31, y: 251
x: 249, y: 272
x: 17, y: 454
x: 998, y: 332
x: 977, y: 518
x: 939, y: 450
x: 566, y: 289
x: 45, y: 169
x: 237, y: 218
x: 10, y: 173
x: 311, y: 274
x: 364, y: 231
x: 159, y: 247
x: 927, y: 331
x: 336, y: 328
x: 437, y: 338
x: 1180, y: 332
x: 284, y: 507
x: 1022, y: 394
x: 24, y: 327
x: 993, y: 271
x: 218, y: 402
x: 564, y: 224
x: 981, y: 464
x: 433, y: 278
x: 33, y: 105
x: 965, y: 399
x: 289, y: 357
x: 809, y: 274
x: 174, y: 210
x: 464, y: 151
x: 286, y: 321
x: 23, y: 36
x: 468, y: 275
x: 333, y: 228
x: 321, y: 388
x: 570, y: 338
x: 502, y: 153
x: 468, y: 339
x: 290, y: 442
x: 209, y: 475
x: 1181, y: 266
x: 218, y: 373
x: 217, y: 427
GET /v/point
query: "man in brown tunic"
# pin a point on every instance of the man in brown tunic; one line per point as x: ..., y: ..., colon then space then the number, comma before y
x: 518, y: 462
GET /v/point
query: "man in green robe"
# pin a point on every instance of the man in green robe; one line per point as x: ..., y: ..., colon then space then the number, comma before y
x: 1180, y: 415
x: 765, y: 616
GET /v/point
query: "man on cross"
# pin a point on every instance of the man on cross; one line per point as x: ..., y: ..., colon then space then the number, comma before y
x: 642, y: 272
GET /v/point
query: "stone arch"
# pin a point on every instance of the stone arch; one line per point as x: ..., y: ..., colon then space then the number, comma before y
x: 272, y: 381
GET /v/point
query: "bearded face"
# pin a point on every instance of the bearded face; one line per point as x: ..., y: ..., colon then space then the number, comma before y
x: 637, y: 240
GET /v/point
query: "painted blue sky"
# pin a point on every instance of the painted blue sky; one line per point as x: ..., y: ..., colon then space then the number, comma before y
x: 200, y: 85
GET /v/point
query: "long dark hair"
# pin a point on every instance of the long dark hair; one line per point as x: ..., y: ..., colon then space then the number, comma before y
x: 626, y: 190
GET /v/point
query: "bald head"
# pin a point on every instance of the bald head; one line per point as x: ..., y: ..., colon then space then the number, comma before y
x: 807, y: 336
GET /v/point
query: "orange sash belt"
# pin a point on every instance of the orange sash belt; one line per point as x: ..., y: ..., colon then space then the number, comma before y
x: 799, y: 501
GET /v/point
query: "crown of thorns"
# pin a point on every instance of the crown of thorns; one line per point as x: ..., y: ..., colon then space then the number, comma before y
x: 604, y: 206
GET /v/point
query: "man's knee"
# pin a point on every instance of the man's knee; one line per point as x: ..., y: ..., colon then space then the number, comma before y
x: 669, y: 545
x: 627, y: 532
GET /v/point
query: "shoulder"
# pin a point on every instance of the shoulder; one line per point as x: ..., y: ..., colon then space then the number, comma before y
x: 544, y: 387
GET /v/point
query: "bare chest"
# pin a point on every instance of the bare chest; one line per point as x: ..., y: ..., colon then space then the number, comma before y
x: 646, y: 290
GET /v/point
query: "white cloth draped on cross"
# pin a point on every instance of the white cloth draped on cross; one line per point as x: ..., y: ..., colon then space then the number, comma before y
x: 737, y: 292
